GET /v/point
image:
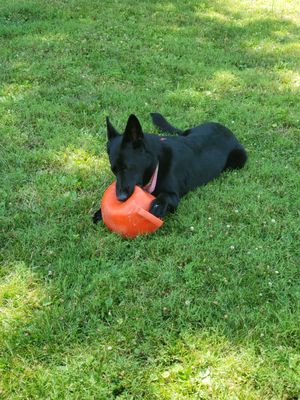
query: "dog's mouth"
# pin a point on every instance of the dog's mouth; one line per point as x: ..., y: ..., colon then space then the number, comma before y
x: 123, y: 196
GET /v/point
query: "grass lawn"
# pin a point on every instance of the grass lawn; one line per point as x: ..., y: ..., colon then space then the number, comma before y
x: 208, y: 306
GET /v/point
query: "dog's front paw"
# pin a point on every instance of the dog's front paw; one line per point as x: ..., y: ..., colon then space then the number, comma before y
x: 97, y: 217
x: 158, y: 208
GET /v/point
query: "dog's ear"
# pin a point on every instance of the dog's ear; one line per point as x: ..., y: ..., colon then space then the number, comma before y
x: 111, y: 131
x: 133, y: 131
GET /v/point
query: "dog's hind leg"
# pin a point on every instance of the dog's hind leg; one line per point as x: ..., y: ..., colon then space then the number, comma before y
x: 159, y: 121
x: 236, y: 158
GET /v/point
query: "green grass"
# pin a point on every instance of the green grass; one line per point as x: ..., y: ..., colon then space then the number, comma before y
x: 204, y: 313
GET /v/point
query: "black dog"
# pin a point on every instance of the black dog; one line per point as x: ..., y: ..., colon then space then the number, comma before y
x: 169, y: 166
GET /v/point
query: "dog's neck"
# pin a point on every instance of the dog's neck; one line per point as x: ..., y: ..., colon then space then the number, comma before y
x: 151, y: 185
x: 156, y: 146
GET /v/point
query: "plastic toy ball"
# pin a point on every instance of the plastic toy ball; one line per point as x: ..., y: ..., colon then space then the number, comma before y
x: 131, y: 217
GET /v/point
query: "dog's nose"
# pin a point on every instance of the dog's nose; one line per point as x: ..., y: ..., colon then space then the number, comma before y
x: 122, y: 196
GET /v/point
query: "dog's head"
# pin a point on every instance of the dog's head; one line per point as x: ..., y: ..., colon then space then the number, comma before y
x: 131, y: 161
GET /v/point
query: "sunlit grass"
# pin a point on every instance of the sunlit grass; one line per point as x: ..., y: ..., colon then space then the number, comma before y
x: 80, y: 160
x: 14, y: 92
x: 209, y: 368
x: 20, y: 297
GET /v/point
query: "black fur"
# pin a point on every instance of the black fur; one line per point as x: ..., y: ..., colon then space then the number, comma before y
x: 191, y: 159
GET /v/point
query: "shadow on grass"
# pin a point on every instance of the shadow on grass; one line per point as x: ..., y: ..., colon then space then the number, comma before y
x: 142, y: 317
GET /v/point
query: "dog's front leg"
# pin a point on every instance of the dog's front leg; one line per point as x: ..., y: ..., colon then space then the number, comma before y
x: 97, y: 217
x: 164, y: 203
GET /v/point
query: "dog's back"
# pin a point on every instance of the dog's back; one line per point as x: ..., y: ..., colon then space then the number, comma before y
x: 201, y: 153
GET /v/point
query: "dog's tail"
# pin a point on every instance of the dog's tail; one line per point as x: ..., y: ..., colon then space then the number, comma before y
x: 237, y: 158
x: 159, y: 121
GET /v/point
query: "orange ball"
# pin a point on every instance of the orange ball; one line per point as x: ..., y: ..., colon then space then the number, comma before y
x: 131, y: 217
